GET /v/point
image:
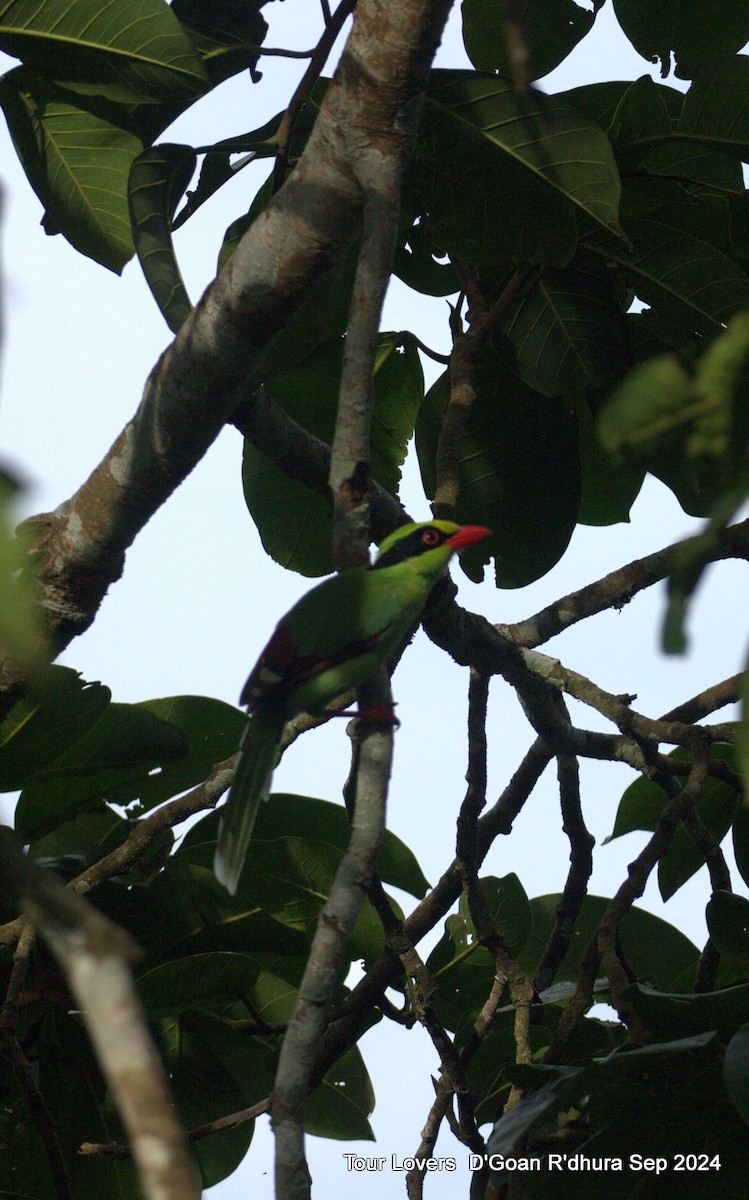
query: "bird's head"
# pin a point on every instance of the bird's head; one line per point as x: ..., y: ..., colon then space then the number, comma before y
x: 435, y: 541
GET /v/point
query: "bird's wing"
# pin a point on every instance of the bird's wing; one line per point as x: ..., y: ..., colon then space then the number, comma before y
x: 342, y: 621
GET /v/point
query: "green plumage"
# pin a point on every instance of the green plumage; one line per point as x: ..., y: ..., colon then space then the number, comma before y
x: 331, y: 641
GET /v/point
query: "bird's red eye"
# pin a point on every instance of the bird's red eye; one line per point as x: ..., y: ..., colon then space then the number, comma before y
x: 430, y: 537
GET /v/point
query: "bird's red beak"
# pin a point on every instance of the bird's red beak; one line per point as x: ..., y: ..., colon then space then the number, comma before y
x: 467, y: 535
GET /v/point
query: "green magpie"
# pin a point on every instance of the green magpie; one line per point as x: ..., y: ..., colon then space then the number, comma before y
x: 331, y: 641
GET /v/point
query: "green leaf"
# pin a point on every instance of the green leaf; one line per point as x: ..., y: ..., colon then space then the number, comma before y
x: 549, y: 31
x: 676, y: 1015
x: 715, y: 110
x: 519, y: 472
x: 704, y: 407
x: 740, y: 831
x: 651, y: 1101
x: 339, y: 1107
x: 289, y: 879
x: 422, y: 265
x: 64, y: 1065
x: 119, y: 752
x: 212, y: 729
x: 610, y: 486
x: 304, y: 817
x: 200, y: 982
x: 679, y: 27
x: 625, y: 111
x: 48, y: 720
x: 227, y: 36
x: 196, y: 915
x: 534, y: 169
x: 20, y: 632
x: 680, y: 274
x: 728, y: 922
x: 84, y: 839
x: 76, y: 162
x: 157, y: 182
x: 204, y: 1089
x: 126, y: 52
x: 296, y: 525
x: 655, y: 950
x: 736, y: 1070
x: 568, y: 332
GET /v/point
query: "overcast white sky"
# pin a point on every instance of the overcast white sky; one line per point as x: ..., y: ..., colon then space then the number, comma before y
x: 199, y: 598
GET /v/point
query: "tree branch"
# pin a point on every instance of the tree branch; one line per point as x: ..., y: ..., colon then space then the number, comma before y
x: 327, y: 954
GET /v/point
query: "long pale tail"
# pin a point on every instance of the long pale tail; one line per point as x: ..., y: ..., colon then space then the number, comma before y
x: 257, y: 758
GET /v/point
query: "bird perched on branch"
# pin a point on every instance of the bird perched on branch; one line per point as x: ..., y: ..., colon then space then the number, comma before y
x: 332, y: 640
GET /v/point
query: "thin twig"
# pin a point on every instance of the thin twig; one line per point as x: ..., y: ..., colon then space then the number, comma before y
x: 521, y: 988
x: 333, y: 26
x: 116, y: 1150
x: 581, y: 867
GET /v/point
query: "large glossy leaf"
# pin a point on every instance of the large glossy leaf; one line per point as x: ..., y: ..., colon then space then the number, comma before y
x: 289, y: 878
x: 680, y: 274
x: 520, y: 472
x: 548, y: 29
x: 295, y: 524
x: 205, y: 1089
x: 198, y: 983
x: 736, y: 1070
x: 568, y: 332
x: 650, y: 136
x: 46, y: 722
x: 76, y: 162
x: 501, y: 177
x: 338, y: 1108
x: 156, y: 184
x: 212, y: 729
x: 741, y: 822
x: 422, y: 265
x: 728, y: 922
x: 227, y: 35
x: 609, y: 485
x: 715, y: 110
x: 20, y: 631
x: 624, y: 109
x: 656, y: 951
x: 126, y: 51
x: 691, y: 421
x: 195, y: 915
x: 672, y: 1015
x: 308, y: 817
x: 118, y: 754
x: 679, y: 28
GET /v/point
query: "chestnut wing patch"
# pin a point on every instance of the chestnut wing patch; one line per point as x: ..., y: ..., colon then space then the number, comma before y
x: 280, y: 670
